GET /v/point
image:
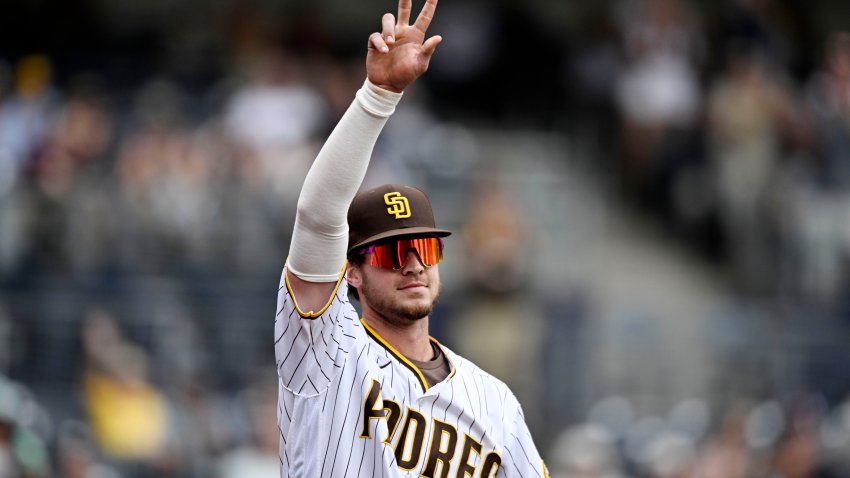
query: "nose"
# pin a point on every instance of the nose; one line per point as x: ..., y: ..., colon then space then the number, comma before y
x: 412, y: 263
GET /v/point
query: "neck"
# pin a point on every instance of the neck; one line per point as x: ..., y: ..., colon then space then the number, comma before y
x: 409, y: 338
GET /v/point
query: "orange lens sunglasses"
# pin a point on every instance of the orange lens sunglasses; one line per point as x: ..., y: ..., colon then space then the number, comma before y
x: 393, y: 255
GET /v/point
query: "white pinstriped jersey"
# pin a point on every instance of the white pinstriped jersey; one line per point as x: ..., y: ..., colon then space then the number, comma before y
x: 351, y: 406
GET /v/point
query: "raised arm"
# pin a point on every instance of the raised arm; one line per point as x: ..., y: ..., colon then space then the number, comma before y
x: 396, y: 57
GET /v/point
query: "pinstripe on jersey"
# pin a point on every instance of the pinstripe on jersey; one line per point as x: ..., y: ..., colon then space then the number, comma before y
x: 350, y: 405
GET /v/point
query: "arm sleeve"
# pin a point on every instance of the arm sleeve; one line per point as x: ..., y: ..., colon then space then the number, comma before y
x: 320, y: 236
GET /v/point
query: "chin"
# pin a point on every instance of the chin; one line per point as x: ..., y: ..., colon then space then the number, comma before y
x: 413, y: 311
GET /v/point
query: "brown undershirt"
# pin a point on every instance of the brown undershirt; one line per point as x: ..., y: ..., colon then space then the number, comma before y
x: 435, y: 370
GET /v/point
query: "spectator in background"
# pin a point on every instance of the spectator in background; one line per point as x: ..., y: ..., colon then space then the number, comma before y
x: 750, y: 111
x: 272, y: 122
x: 274, y: 118
x: 79, y: 136
x: 67, y: 196
x: 26, y: 116
x: 828, y: 102
x: 594, y: 68
x: 496, y: 246
x: 821, y: 217
x: 127, y: 414
x: 158, y: 134
x: 658, y: 92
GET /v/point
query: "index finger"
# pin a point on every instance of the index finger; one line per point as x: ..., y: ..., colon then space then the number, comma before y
x: 425, y: 16
x: 404, y: 7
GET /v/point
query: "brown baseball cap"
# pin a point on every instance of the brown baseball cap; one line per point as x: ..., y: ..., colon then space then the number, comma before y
x: 388, y: 211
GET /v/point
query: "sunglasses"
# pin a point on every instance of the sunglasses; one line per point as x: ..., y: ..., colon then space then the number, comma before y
x: 393, y: 255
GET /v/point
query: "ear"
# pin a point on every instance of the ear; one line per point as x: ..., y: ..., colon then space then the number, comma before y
x: 354, y: 276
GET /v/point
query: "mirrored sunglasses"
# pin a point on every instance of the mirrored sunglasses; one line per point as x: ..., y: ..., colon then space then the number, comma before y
x: 393, y: 255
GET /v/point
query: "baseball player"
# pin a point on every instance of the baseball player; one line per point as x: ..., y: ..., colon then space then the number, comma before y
x: 376, y: 396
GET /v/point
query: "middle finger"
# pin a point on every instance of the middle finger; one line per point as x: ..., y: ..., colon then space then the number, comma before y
x: 404, y: 7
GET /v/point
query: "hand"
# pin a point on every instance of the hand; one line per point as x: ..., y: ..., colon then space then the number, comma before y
x: 398, y: 55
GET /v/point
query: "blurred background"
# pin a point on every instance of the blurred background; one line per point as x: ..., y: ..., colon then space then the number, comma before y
x: 650, y: 199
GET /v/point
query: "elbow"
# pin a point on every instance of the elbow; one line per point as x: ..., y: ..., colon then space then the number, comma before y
x: 322, y: 224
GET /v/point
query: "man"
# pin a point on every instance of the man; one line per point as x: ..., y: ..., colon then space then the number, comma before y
x: 378, y: 396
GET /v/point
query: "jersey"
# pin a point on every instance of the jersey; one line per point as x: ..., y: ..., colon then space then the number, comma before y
x: 350, y: 405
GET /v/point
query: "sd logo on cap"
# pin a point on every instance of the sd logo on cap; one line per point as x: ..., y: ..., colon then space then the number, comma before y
x: 387, y: 211
x: 399, y: 206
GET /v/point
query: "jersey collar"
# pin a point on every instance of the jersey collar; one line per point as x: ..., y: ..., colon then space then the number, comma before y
x: 404, y: 360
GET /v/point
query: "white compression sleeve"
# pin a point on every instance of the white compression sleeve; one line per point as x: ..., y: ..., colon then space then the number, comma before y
x: 320, y: 237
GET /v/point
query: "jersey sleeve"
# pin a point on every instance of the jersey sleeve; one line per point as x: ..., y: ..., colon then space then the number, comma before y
x: 310, y: 349
x: 521, y: 458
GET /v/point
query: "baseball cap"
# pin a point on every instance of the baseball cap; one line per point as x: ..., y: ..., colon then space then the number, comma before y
x: 388, y: 211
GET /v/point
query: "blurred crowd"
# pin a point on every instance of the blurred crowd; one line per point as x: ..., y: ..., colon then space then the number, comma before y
x: 91, y: 184
x: 801, y: 438
x: 143, y: 229
x: 732, y: 127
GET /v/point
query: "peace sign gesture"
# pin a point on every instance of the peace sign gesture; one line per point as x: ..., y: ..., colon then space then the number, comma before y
x: 399, y: 54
